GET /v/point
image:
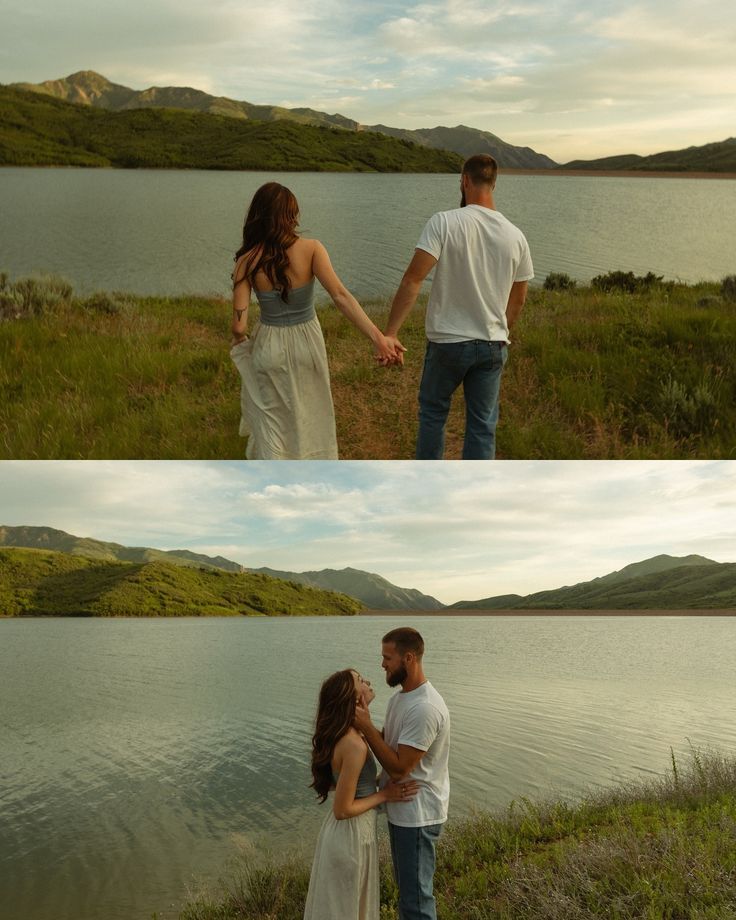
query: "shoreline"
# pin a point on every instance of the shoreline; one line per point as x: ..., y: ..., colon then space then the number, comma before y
x: 616, y: 173
x: 502, y: 170
x: 531, y: 612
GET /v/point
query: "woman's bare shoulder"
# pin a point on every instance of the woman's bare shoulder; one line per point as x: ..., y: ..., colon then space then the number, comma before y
x: 352, y: 740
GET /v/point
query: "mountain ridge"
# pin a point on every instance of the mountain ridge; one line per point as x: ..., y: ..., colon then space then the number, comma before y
x: 87, y: 87
x: 38, y: 129
x: 374, y: 591
x: 661, y: 582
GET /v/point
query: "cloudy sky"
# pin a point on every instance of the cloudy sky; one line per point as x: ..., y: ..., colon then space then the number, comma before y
x: 577, y: 78
x: 453, y: 530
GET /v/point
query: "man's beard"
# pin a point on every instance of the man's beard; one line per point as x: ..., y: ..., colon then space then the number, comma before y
x: 398, y: 677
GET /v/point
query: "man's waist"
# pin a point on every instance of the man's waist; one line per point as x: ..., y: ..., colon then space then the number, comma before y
x: 460, y: 340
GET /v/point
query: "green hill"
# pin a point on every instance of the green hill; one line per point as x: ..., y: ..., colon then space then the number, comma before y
x: 89, y: 88
x: 39, y: 130
x: 40, y: 583
x: 660, y: 583
x: 717, y: 157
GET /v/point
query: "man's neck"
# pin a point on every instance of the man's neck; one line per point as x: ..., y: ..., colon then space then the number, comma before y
x: 413, y: 681
x: 484, y: 199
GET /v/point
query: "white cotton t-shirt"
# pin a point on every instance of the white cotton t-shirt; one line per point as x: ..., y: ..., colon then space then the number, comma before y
x: 421, y: 720
x: 480, y: 254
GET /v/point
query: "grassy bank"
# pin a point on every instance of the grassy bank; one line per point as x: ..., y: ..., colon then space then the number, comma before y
x: 591, y: 374
x: 658, y: 850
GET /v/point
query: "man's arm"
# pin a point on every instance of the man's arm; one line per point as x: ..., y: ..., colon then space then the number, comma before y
x: 396, y: 763
x: 516, y: 300
x: 420, y: 266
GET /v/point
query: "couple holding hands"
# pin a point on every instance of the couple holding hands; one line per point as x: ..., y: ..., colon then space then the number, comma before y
x: 482, y: 266
x: 414, y: 787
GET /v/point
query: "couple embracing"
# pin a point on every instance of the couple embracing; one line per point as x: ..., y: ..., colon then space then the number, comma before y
x: 481, y: 266
x: 414, y: 787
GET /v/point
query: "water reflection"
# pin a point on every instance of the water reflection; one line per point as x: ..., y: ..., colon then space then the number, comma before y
x: 135, y: 754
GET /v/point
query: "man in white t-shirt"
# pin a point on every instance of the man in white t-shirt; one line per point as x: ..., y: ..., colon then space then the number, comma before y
x: 483, y: 265
x: 414, y: 744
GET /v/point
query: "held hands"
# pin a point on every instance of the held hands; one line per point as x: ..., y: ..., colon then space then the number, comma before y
x: 389, y: 351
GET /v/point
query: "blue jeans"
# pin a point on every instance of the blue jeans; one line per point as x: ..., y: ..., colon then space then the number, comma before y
x: 413, y: 856
x: 477, y: 365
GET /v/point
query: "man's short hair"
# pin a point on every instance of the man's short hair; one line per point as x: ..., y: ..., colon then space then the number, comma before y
x: 406, y: 640
x: 481, y: 169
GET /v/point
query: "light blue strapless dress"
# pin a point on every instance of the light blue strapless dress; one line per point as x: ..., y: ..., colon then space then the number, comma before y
x: 286, y: 402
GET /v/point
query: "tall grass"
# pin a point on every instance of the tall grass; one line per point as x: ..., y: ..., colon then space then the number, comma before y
x: 658, y: 850
x: 591, y: 374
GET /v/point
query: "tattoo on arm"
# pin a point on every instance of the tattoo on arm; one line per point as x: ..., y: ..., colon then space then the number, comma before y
x: 239, y: 314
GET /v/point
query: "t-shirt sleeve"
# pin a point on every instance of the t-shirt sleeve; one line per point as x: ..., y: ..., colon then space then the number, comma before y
x: 432, y: 237
x: 525, y: 269
x: 420, y: 726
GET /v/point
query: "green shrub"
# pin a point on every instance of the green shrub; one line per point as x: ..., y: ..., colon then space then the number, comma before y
x: 108, y: 304
x: 688, y: 412
x: 728, y: 288
x: 626, y: 281
x: 32, y: 296
x: 559, y: 281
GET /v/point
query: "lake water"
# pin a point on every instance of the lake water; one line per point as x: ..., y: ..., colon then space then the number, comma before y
x: 170, y: 232
x: 137, y: 755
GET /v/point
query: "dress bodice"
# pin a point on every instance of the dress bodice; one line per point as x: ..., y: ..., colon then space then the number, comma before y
x: 366, y: 779
x: 277, y: 312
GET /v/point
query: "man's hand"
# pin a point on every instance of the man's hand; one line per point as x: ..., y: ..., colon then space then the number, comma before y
x: 397, y: 353
x: 362, y: 719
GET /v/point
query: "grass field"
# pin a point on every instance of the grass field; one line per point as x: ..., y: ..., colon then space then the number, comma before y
x: 591, y: 375
x: 658, y: 850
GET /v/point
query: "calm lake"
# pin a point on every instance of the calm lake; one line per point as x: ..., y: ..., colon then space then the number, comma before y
x: 137, y: 755
x: 171, y: 232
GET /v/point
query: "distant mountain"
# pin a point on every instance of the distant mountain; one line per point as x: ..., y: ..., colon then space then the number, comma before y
x: 40, y: 130
x: 43, y: 583
x: 715, y: 157
x: 89, y: 88
x: 58, y: 540
x: 373, y: 591
x: 661, y: 583
x: 468, y: 141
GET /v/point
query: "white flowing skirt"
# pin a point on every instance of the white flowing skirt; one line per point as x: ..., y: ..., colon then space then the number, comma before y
x: 286, y: 401
x: 344, y: 884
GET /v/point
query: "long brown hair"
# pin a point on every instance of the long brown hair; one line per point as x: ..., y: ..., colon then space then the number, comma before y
x: 269, y: 230
x: 335, y: 714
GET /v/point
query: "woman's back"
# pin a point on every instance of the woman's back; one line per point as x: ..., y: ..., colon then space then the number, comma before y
x: 299, y: 270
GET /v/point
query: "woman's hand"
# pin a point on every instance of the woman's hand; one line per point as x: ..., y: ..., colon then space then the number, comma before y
x: 388, y: 351
x: 402, y: 791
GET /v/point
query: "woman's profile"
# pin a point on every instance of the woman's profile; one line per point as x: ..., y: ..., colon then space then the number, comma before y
x: 286, y: 402
x: 344, y: 884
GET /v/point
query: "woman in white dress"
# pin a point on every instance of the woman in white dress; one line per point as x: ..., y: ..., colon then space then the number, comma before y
x: 344, y: 884
x: 286, y: 402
